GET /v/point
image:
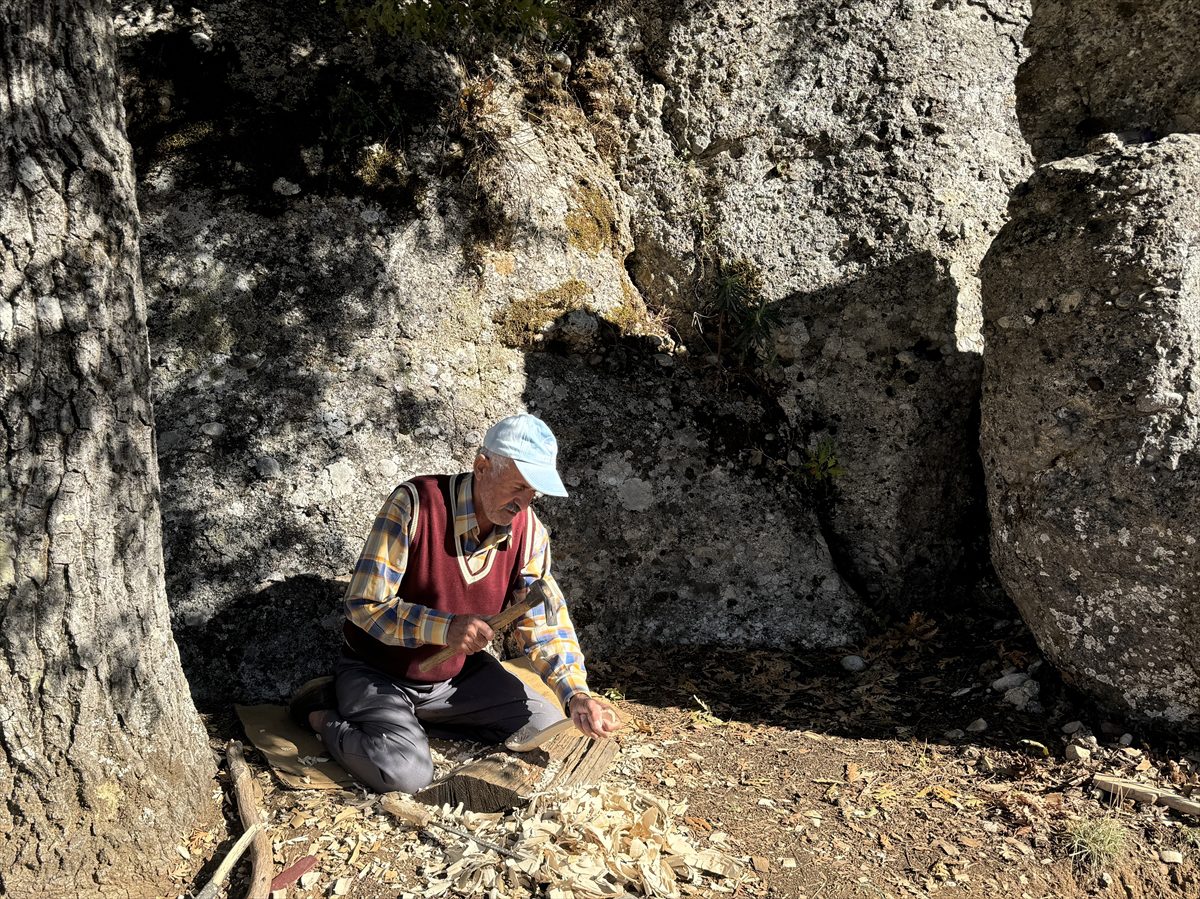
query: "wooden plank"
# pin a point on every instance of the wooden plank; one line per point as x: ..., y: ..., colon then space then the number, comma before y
x: 1180, y: 804
x: 586, y: 763
x: 1124, y: 788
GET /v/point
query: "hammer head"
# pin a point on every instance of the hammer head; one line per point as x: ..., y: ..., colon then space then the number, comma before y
x: 551, y: 597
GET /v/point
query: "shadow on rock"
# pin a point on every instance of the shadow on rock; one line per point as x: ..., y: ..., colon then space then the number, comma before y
x: 872, y: 372
x: 1099, y: 68
x: 262, y: 645
x: 244, y: 94
x: 671, y: 535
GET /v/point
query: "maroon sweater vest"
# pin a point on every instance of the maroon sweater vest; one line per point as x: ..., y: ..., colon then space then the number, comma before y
x: 437, y: 577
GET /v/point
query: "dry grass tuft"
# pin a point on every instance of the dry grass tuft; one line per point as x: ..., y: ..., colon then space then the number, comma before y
x: 1095, y: 843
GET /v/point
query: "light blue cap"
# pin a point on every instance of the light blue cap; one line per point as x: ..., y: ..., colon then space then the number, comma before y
x: 531, y: 445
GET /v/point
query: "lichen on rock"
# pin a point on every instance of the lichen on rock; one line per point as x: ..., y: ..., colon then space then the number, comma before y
x: 1091, y: 420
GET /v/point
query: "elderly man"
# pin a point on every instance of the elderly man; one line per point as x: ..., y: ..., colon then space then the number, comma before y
x: 445, y: 553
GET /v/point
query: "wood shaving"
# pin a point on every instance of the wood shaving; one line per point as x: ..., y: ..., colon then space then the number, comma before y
x: 584, y: 843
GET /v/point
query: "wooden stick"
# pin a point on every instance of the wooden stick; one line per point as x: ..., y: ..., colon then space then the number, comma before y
x: 250, y: 810
x: 496, y: 622
x: 227, y: 863
x: 1122, y: 788
x: 412, y: 812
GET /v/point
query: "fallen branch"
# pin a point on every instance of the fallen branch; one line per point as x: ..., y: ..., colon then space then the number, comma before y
x: 1122, y: 788
x: 226, y: 866
x: 250, y: 809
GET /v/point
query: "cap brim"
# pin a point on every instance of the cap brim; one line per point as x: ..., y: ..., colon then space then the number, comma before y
x: 542, y: 478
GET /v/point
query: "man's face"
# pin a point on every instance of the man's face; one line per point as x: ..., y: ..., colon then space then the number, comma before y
x: 501, y: 494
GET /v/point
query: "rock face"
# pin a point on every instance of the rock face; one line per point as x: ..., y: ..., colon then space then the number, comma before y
x: 1091, y: 417
x: 313, y: 349
x: 1096, y: 68
x: 859, y: 156
x: 668, y: 541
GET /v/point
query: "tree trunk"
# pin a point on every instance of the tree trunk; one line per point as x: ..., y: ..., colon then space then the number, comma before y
x: 104, y: 765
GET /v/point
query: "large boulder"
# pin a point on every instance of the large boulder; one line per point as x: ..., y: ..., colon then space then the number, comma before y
x: 858, y: 157
x: 1091, y: 418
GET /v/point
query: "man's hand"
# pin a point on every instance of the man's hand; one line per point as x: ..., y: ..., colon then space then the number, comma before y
x: 468, y: 634
x: 594, y: 718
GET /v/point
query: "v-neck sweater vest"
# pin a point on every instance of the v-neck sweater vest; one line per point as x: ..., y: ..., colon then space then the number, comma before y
x: 439, y: 575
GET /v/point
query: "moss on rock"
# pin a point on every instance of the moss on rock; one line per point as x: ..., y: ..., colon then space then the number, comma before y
x: 522, y: 322
x: 592, y: 224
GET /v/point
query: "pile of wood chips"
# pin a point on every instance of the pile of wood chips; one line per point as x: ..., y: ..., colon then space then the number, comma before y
x: 584, y: 843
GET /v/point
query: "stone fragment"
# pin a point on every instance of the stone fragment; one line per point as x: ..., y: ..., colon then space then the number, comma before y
x: 1008, y: 681
x: 1171, y: 857
x: 977, y: 726
x: 636, y: 495
x: 854, y: 664
x: 1072, y: 727
x: 1022, y: 695
x: 1077, y: 753
x: 578, y: 328
x: 268, y: 468
x: 342, y: 477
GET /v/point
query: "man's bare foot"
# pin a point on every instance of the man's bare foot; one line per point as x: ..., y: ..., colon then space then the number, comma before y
x: 317, y: 719
x: 318, y: 695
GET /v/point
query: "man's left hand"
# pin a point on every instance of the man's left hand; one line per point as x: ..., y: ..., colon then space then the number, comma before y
x: 594, y: 718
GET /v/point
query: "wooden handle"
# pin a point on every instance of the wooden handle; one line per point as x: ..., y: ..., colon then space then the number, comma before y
x: 523, y: 740
x: 537, y: 595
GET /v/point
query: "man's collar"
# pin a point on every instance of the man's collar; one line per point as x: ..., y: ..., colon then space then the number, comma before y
x: 465, y: 522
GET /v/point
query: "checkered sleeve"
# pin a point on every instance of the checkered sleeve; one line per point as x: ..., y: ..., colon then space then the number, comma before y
x: 371, y: 602
x: 553, y: 650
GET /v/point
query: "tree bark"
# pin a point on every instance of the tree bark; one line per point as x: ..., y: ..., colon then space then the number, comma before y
x: 104, y: 764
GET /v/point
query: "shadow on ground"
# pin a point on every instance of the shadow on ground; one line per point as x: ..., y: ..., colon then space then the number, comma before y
x: 927, y: 679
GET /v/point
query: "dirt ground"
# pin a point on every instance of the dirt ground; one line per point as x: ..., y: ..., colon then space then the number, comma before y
x: 818, y: 782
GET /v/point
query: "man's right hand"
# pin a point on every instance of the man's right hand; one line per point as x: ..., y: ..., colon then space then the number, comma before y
x: 468, y: 634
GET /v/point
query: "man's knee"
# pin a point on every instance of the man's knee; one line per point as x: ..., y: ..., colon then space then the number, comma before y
x: 391, y: 768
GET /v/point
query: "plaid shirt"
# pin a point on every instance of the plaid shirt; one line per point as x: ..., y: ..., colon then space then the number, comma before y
x: 371, y: 602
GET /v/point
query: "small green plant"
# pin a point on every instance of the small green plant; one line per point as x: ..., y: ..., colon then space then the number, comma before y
x: 439, y: 22
x: 745, y: 322
x: 821, y: 463
x: 614, y: 694
x: 1191, y: 837
x: 1094, y: 843
x: 705, y: 717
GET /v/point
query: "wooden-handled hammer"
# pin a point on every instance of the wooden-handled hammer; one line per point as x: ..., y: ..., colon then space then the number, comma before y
x: 536, y: 596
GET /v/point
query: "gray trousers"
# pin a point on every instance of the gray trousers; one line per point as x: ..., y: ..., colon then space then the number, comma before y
x: 380, y: 730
